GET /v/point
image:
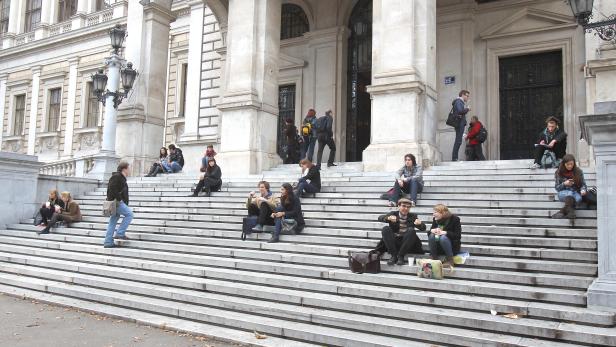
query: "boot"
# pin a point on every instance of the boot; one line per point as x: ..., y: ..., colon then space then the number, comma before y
x: 448, y: 262
x: 152, y: 172
x: 570, y: 207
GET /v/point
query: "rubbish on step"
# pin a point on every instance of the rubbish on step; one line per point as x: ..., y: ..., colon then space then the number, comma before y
x: 460, y: 258
x: 493, y: 312
x: 512, y: 316
x: 260, y: 336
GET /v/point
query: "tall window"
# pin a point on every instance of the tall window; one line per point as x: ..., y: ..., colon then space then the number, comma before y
x: 33, y: 14
x: 66, y: 9
x: 294, y: 22
x: 92, y: 109
x: 102, y: 4
x: 4, y: 15
x: 286, y: 109
x: 182, y: 110
x: 18, y: 114
x: 53, y: 115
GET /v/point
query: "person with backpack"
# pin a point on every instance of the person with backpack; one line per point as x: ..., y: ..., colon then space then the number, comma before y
x: 175, y: 163
x: 309, y: 134
x: 477, y: 135
x: 553, y: 139
x: 459, y: 110
x: 325, y: 135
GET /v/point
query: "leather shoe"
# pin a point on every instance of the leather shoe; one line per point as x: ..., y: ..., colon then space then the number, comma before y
x: 400, y: 261
x: 118, y: 237
x: 392, y: 260
x: 273, y: 239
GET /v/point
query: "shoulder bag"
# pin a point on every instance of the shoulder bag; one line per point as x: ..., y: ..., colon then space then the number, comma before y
x: 452, y: 119
x: 365, y: 262
x: 110, y: 208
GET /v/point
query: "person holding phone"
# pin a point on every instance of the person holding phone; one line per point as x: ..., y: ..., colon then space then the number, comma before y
x: 570, y: 185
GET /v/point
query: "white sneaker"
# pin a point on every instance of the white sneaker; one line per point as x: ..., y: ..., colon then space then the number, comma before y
x: 535, y: 166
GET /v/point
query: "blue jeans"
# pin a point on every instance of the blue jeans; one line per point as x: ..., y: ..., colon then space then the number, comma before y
x: 413, y: 187
x: 568, y: 192
x: 172, y: 168
x: 204, y: 161
x: 458, y: 142
x: 308, y: 147
x: 124, y: 211
x: 304, y: 186
x: 443, y: 244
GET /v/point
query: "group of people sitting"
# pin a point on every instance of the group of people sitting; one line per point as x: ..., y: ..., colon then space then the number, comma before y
x: 169, y: 161
x: 58, y: 208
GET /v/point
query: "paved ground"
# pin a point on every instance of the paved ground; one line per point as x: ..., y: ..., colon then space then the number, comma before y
x: 26, y: 323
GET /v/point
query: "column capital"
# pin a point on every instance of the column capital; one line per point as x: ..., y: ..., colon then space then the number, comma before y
x: 73, y: 61
x: 36, y: 70
x: 153, y: 10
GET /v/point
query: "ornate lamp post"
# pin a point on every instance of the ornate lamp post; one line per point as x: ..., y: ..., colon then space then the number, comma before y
x: 605, y: 29
x: 107, y: 89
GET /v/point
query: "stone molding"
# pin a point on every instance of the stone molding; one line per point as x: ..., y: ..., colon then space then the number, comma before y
x: 88, y: 138
x: 558, y: 21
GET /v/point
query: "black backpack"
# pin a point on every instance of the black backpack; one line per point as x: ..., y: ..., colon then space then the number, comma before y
x: 482, y: 136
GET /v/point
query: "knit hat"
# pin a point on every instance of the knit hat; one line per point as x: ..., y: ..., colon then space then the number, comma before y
x: 405, y: 201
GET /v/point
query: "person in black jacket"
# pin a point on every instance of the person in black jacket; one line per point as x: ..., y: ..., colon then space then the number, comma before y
x: 399, y: 236
x: 551, y: 138
x: 175, y: 163
x: 291, y: 136
x: 325, y: 134
x: 460, y: 109
x: 290, y: 208
x: 53, y: 205
x: 211, y: 180
x: 310, y: 182
x: 117, y: 190
x: 445, y: 234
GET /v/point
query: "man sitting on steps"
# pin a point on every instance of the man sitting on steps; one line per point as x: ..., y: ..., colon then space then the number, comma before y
x: 399, y: 236
x: 262, y: 205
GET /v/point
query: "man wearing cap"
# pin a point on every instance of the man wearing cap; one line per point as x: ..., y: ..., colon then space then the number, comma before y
x: 399, y: 236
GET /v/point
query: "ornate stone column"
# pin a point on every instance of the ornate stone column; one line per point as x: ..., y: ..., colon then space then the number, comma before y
x: 70, y: 107
x: 141, y: 117
x: 403, y: 84
x: 249, y: 104
x: 16, y: 22
x: 34, y: 97
x: 3, y: 78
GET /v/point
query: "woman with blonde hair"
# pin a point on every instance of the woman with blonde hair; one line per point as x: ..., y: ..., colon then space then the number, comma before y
x: 53, y: 204
x: 70, y: 214
x: 444, y: 236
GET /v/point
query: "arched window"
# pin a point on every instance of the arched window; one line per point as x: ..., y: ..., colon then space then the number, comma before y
x: 294, y: 22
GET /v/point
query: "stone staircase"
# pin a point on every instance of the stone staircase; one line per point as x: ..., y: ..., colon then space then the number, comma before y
x: 186, y: 268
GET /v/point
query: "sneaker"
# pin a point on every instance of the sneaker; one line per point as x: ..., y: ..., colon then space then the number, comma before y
x: 44, y: 231
x: 332, y: 164
x: 258, y: 228
x: 535, y: 166
x: 110, y: 246
x: 123, y: 237
x: 274, y: 239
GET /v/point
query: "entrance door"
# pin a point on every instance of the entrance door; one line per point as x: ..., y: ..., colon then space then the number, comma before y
x: 359, y: 75
x: 286, y: 109
x: 531, y: 90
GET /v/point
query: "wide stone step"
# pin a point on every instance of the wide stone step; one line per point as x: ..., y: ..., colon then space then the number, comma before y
x: 317, y: 255
x: 395, y: 324
x: 126, y: 258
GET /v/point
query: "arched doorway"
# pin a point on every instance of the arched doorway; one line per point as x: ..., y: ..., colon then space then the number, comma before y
x: 359, y: 76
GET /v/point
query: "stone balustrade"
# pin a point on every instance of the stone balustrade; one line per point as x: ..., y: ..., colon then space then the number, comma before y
x: 75, y: 167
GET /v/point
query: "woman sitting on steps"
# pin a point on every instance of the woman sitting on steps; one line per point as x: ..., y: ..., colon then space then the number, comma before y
x: 289, y: 210
x: 570, y: 185
x: 70, y: 214
x: 444, y: 236
x: 210, y: 181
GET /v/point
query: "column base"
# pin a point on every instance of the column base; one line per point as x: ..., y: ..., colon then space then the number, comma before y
x: 601, y: 295
x: 242, y: 163
x: 390, y: 156
x: 105, y: 163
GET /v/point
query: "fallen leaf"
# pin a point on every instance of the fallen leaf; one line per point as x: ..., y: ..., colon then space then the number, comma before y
x: 260, y: 336
x: 512, y: 316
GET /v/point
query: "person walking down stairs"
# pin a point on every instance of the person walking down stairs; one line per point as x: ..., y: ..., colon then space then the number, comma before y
x: 310, y: 182
x: 69, y: 214
x: 445, y: 234
x: 399, y: 235
x: 117, y: 189
x: 288, y: 212
x: 211, y: 180
x: 570, y: 185
x: 262, y: 205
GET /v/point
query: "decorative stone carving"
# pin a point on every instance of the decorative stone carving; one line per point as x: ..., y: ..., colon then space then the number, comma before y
x: 48, y: 142
x: 13, y: 144
x: 88, y: 139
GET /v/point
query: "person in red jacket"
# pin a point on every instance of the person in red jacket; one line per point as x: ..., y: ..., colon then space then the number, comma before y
x: 473, y: 147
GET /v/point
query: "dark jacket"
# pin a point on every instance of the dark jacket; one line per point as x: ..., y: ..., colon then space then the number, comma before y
x: 294, y: 211
x: 560, y: 183
x: 454, y: 231
x: 117, y: 188
x: 326, y: 130
x: 560, y: 147
x: 72, y: 213
x: 215, y: 177
x: 314, y: 176
x: 52, y: 203
x: 177, y: 156
x: 460, y: 110
x: 395, y: 227
x: 473, y: 132
x: 290, y: 134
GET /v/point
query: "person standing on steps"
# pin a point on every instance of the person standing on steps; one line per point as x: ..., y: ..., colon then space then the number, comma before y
x: 473, y: 148
x: 309, y: 133
x: 53, y: 205
x: 157, y: 167
x: 552, y: 138
x: 175, y: 163
x: 290, y: 208
x: 69, y: 214
x: 210, y: 181
x: 410, y: 180
x: 291, y: 139
x: 460, y: 109
x: 570, y: 185
x: 117, y: 190
x: 399, y: 235
x: 445, y: 234
x: 262, y: 205
x: 325, y: 135
x: 310, y: 182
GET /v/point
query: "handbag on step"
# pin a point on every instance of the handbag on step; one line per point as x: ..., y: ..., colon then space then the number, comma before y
x: 247, y: 224
x: 433, y: 269
x: 289, y: 226
x: 365, y: 262
x: 110, y: 208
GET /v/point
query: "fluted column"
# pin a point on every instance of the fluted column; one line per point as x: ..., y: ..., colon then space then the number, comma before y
x: 70, y: 107
x: 34, y: 99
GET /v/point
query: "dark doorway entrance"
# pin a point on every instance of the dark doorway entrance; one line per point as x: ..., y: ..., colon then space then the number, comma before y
x: 359, y: 75
x: 531, y: 89
x: 286, y: 109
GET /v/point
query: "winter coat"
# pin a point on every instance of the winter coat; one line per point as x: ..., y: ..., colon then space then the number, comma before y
x: 314, y: 176
x: 560, y: 183
x: 294, y: 211
x: 117, y: 188
x: 560, y: 147
x: 313, y: 121
x: 71, y: 213
x: 52, y: 203
x: 395, y: 227
x: 327, y: 123
x: 460, y: 110
x: 177, y: 157
x: 473, y: 132
x: 272, y: 201
x: 406, y: 174
x: 454, y: 231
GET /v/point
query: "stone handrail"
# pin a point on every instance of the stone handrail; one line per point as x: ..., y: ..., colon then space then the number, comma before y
x: 75, y: 167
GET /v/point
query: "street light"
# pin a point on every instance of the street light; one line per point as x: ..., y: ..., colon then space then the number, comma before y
x: 582, y: 10
x: 117, y: 35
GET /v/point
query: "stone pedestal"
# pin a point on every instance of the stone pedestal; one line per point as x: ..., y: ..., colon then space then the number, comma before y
x: 600, y: 131
x: 20, y: 195
x: 249, y: 104
x: 105, y: 163
x: 403, y: 81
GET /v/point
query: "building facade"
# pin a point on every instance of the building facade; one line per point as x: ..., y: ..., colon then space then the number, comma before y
x: 227, y: 73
